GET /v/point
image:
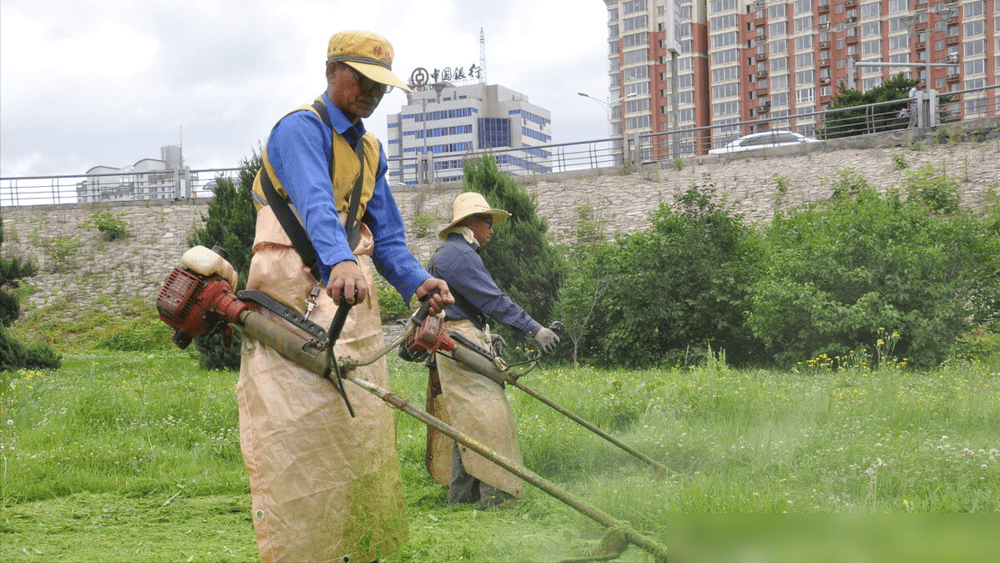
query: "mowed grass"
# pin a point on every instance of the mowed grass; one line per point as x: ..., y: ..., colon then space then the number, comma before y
x: 135, y: 457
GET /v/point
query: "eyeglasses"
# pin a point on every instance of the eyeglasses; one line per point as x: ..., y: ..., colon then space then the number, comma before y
x: 367, y: 84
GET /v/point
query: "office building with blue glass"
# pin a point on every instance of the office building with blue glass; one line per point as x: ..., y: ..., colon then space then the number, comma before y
x: 443, y: 125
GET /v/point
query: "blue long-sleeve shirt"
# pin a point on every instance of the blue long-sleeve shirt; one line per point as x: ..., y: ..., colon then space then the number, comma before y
x: 458, y: 263
x: 299, y: 149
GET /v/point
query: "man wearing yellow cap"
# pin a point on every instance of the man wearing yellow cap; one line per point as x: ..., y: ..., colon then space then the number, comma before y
x: 472, y: 403
x: 325, y: 485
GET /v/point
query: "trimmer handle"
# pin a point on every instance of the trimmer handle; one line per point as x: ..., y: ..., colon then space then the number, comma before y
x: 557, y: 327
x: 421, y: 314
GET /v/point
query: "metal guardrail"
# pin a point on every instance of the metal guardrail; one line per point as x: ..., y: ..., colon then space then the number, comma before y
x: 114, y: 187
x: 639, y: 148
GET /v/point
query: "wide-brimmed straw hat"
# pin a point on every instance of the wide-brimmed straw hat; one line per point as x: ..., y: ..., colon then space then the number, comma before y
x: 469, y: 204
x: 366, y: 52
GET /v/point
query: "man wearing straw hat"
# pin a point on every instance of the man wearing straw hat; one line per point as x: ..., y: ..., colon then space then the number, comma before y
x: 325, y: 484
x: 472, y: 403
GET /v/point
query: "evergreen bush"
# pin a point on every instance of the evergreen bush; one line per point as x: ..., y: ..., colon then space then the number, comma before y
x: 14, y: 354
x: 231, y: 224
x: 520, y: 259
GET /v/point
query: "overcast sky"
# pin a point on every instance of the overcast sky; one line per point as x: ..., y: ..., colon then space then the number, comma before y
x: 108, y: 82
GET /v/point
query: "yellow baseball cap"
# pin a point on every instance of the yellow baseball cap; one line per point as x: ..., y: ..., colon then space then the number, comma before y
x: 366, y: 52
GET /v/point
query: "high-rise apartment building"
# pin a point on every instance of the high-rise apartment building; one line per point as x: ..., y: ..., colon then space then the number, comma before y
x: 743, y: 61
x: 442, y: 124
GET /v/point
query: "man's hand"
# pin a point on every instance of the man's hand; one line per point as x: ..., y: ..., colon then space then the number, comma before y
x: 439, y: 301
x: 547, y: 339
x: 346, y: 280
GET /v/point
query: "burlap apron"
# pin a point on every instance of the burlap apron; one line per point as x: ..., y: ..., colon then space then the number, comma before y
x: 324, y: 486
x: 478, y: 407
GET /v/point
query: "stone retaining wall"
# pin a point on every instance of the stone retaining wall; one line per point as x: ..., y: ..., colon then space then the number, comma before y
x: 101, y: 276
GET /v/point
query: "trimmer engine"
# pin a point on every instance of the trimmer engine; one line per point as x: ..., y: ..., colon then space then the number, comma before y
x: 195, y: 305
x: 429, y: 337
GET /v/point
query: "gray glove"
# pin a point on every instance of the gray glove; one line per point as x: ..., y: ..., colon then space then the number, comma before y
x: 547, y: 339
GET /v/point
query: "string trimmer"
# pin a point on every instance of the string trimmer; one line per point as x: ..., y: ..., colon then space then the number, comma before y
x: 196, y: 300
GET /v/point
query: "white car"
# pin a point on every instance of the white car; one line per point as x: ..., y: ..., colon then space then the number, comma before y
x: 762, y: 141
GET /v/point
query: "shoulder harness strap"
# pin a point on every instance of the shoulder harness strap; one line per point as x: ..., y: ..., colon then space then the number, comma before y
x: 293, y: 226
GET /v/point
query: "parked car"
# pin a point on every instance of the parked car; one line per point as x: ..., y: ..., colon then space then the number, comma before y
x: 762, y: 141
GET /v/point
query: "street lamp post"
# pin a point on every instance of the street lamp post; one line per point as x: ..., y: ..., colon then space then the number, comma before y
x: 426, y: 174
x: 926, y: 112
x: 607, y: 108
x: 608, y: 105
x: 603, y: 104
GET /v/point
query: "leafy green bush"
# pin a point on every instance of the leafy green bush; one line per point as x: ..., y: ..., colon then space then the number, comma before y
x: 933, y: 188
x: 683, y: 283
x: 390, y: 303
x: 112, y: 226
x: 62, y: 250
x: 587, y: 280
x: 422, y: 225
x: 838, y: 271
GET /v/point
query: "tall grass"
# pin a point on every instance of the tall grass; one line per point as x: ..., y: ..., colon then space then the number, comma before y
x: 153, y: 439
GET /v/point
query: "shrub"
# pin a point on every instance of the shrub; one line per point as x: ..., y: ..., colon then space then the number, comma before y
x: 519, y: 257
x: 113, y: 227
x: 390, y: 303
x: 62, y: 250
x: 588, y: 279
x: 839, y: 270
x: 683, y: 283
x: 231, y: 224
x: 933, y: 188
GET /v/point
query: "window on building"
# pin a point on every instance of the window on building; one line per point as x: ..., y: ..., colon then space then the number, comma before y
x: 975, y: 67
x: 724, y: 22
x: 636, y: 39
x: 898, y: 42
x: 779, y: 63
x: 974, y: 28
x: 871, y: 48
x: 973, y: 9
x: 635, y: 22
x: 804, y: 23
x: 871, y: 29
x: 725, y: 108
x: 636, y: 56
x: 776, y: 11
x: 724, y: 39
x: 871, y: 10
x: 633, y: 6
x: 975, y: 48
x: 719, y: 6
x: 726, y: 90
x: 776, y: 29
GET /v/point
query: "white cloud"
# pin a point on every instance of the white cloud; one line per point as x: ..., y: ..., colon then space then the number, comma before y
x: 88, y: 82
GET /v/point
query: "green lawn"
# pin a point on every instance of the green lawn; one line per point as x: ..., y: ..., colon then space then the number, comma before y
x: 135, y: 457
